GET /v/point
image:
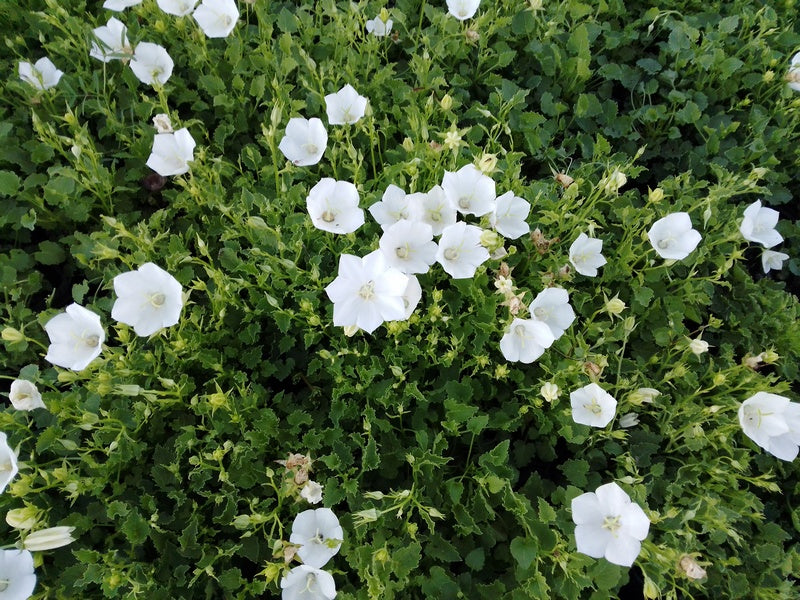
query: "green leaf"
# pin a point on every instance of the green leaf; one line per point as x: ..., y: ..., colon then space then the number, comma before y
x: 9, y: 183
x: 524, y: 551
x: 135, y: 528
x: 50, y: 253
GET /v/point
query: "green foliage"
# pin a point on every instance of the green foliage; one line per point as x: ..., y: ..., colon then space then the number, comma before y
x: 451, y: 474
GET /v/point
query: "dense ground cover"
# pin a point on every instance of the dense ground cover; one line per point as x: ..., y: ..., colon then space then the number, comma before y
x: 452, y: 468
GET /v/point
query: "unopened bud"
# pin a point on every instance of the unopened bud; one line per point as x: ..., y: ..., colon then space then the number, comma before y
x: 593, y: 370
x: 47, y: 539
x: 698, y: 346
x: 549, y: 391
x: 770, y: 356
x: 408, y: 145
x: 614, y: 306
x: 487, y: 164
x: 656, y: 195
x: 9, y: 334
x: 643, y: 396
x: 446, y: 102
x: 472, y: 36
x: 22, y: 518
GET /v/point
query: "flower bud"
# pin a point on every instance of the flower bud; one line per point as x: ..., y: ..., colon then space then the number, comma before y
x: 629, y: 324
x: 593, y: 370
x: 770, y: 356
x: 472, y: 36
x: 690, y: 567
x: 162, y: 123
x: 22, y: 518
x: 381, y: 555
x: 650, y: 590
x: 629, y: 420
x: 656, y: 195
x: 47, y: 539
x: 491, y: 240
x: 446, y: 102
x: 614, y: 181
x: 312, y: 492
x: 614, y: 306
x: 24, y: 395
x: 384, y: 15
x: 9, y: 334
x: 488, y: 164
x: 643, y: 396
x: 698, y: 346
x: 408, y: 145
x: 549, y: 391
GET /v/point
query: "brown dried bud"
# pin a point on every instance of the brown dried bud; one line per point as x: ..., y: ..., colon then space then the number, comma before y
x: 564, y: 179
x: 592, y: 370
x: 690, y: 567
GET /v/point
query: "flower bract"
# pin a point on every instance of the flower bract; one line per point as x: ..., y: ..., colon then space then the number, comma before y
x: 76, y: 338
x: 8, y: 462
x: 758, y: 225
x: 179, y: 8
x: 409, y: 247
x: 147, y: 299
x: 333, y: 206
x: 305, y: 582
x: 525, y: 340
x: 585, y: 255
x: 319, y: 535
x: 367, y: 292
x: 509, y: 215
x: 216, y: 18
x: 471, y: 192
x: 552, y: 307
x: 111, y: 41
x: 608, y: 525
x: 460, y: 252
x: 463, y: 9
x: 24, y: 395
x: 772, y: 260
x: 304, y: 141
x: 42, y: 75
x: 17, y: 574
x: 151, y: 64
x: 672, y: 236
x: 345, y: 106
x: 593, y: 406
x: 772, y: 422
x: 172, y: 153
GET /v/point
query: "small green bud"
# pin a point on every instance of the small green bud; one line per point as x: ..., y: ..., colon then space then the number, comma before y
x: 9, y: 334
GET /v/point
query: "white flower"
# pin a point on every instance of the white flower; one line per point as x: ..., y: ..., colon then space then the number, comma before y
x: 628, y: 420
x: 672, y: 236
x: 22, y: 518
x: 460, y: 251
x: 367, y: 292
x: 525, y: 340
x: 409, y: 247
x: 593, y: 406
x: 333, y: 206
x: 509, y: 216
x: 308, y: 583
x: 48, y: 539
x: 463, y: 9
x: 17, y: 574
x: 216, y: 18
x: 304, y: 141
x: 378, y: 27
x: 319, y: 535
x: 76, y: 338
x: 345, y: 106
x: 172, y: 153
x: 643, y: 396
x: 608, y: 524
x: 113, y: 41
x: 118, y: 5
x: 758, y: 225
x: 162, y: 123
x: 151, y: 64
x: 471, y: 192
x: 793, y: 75
x: 179, y: 8
x: 552, y: 307
x: 772, y: 260
x: 392, y: 207
x: 411, y: 296
x: 772, y: 422
x: 585, y: 255
x: 312, y: 492
x: 698, y: 346
x: 8, y: 463
x: 147, y: 299
x: 549, y: 391
x: 434, y: 208
x: 42, y: 75
x: 24, y: 395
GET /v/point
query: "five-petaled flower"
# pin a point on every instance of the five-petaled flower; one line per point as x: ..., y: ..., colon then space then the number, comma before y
x: 304, y: 141
x: 305, y: 582
x: 758, y: 225
x: 8, y: 463
x: 319, y: 535
x: 333, y: 206
x: 770, y: 259
x: 551, y: 306
x: 509, y: 215
x: 471, y: 192
x: 585, y: 255
x: 593, y: 406
x: 16, y: 574
x: 111, y: 41
x: 672, y: 236
x: 42, y: 75
x: 409, y: 246
x: 216, y: 18
x: 367, y: 292
x: 793, y: 74
x: 76, y: 338
x: 172, y: 153
x: 147, y: 299
x: 772, y: 422
x: 460, y: 252
x: 24, y: 395
x: 525, y: 340
x: 151, y: 64
x: 378, y: 27
x: 119, y: 5
x: 345, y: 106
x: 434, y: 208
x: 179, y: 8
x: 608, y: 524
x: 463, y: 9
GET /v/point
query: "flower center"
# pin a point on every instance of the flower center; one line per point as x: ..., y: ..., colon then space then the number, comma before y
x: 612, y: 524
x: 318, y: 538
x: 401, y: 252
x: 92, y: 341
x: 310, y: 148
x: 157, y: 299
x: 540, y: 313
x: 156, y: 73
x: 520, y: 330
x: 435, y: 216
x: 594, y: 407
x: 309, y: 582
x: 328, y: 216
x: 451, y: 253
x: 4, y: 584
x: 463, y: 202
x: 366, y: 292
x: 664, y: 244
